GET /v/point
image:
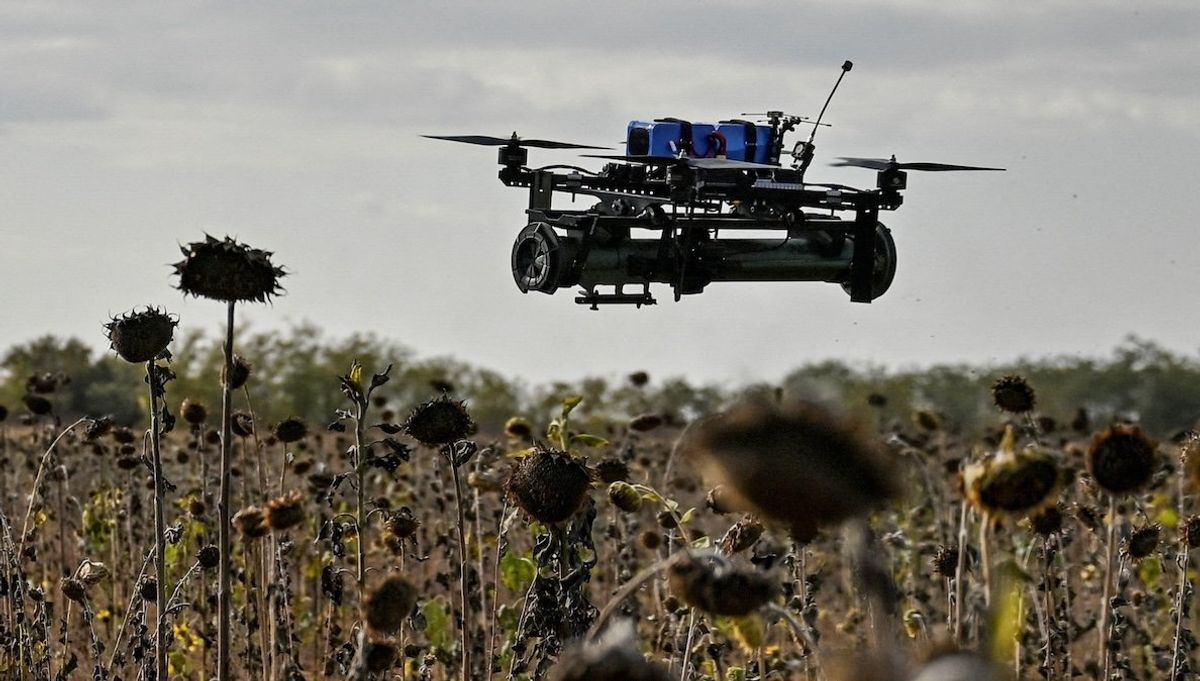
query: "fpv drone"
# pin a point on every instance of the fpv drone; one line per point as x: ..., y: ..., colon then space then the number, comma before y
x: 689, y: 187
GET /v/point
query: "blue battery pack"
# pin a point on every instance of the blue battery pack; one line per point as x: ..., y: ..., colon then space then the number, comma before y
x: 735, y: 140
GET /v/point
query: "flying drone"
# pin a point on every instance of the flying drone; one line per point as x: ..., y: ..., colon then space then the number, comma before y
x: 677, y: 206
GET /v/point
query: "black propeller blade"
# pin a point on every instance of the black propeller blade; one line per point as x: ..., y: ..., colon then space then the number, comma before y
x: 702, y: 163
x: 892, y: 164
x: 488, y: 141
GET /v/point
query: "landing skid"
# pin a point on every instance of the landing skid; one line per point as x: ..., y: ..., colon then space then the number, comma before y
x: 618, y: 297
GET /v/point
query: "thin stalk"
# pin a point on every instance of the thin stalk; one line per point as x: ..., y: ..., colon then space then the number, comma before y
x: 160, y: 528
x: 1181, y: 561
x: 1105, y: 621
x: 360, y: 501
x: 1068, y: 635
x: 256, y: 554
x: 960, y: 572
x: 624, y: 592
x: 495, y: 587
x: 37, y: 480
x: 133, y: 599
x: 360, y: 538
x: 687, y: 647
x: 225, y: 567
x: 464, y: 559
x: 800, y: 631
x: 985, y: 558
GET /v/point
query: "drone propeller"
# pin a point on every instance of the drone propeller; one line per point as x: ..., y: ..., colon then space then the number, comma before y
x: 892, y: 164
x: 487, y: 141
x: 701, y: 163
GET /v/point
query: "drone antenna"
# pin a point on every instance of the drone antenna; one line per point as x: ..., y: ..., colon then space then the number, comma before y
x: 846, y: 66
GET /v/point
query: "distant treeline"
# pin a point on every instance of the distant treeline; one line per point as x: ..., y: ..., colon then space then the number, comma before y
x: 295, y: 374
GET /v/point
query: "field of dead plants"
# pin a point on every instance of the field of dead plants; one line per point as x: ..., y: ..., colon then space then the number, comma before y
x: 767, y: 539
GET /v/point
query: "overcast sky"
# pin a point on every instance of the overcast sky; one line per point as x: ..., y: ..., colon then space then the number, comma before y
x: 128, y: 128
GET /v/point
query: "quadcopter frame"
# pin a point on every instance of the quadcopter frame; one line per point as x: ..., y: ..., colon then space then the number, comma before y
x: 690, y: 202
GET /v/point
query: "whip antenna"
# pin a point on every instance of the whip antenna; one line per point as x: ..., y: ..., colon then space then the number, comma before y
x: 846, y: 66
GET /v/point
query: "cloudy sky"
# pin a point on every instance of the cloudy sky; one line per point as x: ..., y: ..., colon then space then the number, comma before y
x: 128, y: 128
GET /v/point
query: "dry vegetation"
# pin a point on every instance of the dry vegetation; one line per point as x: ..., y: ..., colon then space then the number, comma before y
x: 771, y: 540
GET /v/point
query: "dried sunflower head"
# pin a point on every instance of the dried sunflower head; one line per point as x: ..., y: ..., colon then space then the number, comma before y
x: 716, y: 586
x: 241, y: 424
x: 251, y: 522
x: 1047, y: 523
x: 285, y: 512
x: 290, y: 430
x: 1122, y: 459
x: 148, y: 589
x: 612, y: 470
x: 624, y: 496
x: 1191, y: 531
x: 615, y: 656
x: 208, y: 556
x: 1013, y: 394
x: 945, y: 561
x: 193, y: 411
x: 98, y: 428
x: 926, y: 420
x: 644, y: 423
x: 390, y: 602
x: 549, y: 485
x: 518, y: 427
x: 439, y: 421
x: 380, y: 656
x: 740, y: 536
x: 796, y: 465
x: 1142, y: 542
x: 139, y: 337
x: 402, y: 524
x: 73, y: 589
x: 1012, y: 482
x: 37, y: 405
x: 236, y: 375
x: 223, y: 269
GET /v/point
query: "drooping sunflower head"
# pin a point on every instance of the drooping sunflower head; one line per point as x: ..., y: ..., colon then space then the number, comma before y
x: 716, y: 586
x: 290, y: 430
x: 139, y: 337
x: 1013, y: 394
x: 193, y: 411
x: 1142, y: 542
x: 440, y: 421
x: 285, y: 512
x: 1122, y: 459
x: 225, y: 270
x: 615, y: 656
x: 549, y: 485
x: 1011, y: 482
x: 797, y: 465
x: 389, y: 604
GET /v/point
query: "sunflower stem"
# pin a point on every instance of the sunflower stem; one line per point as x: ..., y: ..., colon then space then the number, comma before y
x: 1182, y: 558
x: 160, y: 545
x: 1106, y: 596
x: 225, y: 566
x: 360, y: 534
x: 960, y: 572
x: 624, y: 592
x: 464, y: 559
